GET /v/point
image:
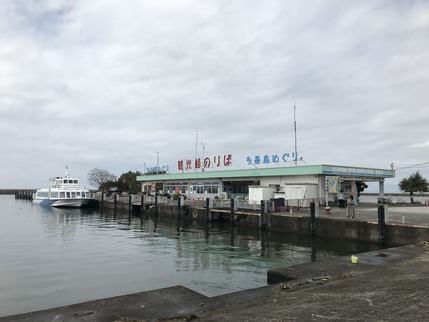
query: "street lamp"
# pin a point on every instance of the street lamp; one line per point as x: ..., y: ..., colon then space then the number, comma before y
x: 204, y: 147
x: 157, y: 170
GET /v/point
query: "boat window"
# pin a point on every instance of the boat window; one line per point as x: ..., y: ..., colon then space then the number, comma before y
x: 42, y: 194
x: 62, y: 194
x: 73, y: 195
x: 68, y: 194
x: 75, y: 181
x: 77, y: 193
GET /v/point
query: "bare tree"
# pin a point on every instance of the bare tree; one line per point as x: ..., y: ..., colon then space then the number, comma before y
x: 101, y: 178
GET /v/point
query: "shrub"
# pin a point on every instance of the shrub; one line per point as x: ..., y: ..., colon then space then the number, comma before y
x: 177, y: 195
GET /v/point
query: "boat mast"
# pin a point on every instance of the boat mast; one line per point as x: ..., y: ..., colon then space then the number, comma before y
x: 67, y: 171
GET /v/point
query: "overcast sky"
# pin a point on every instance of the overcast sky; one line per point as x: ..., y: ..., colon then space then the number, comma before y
x: 105, y: 84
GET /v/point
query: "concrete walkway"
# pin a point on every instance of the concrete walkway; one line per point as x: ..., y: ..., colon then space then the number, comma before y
x: 410, y: 215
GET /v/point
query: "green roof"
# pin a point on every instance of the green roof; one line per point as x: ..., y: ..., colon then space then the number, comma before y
x: 323, y: 169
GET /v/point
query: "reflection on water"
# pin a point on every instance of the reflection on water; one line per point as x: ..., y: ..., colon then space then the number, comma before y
x: 53, y: 257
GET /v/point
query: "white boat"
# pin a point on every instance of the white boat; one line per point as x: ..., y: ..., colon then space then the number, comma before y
x: 63, y: 192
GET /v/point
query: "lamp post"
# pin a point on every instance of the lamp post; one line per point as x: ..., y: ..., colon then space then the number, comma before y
x: 157, y: 171
x: 204, y: 147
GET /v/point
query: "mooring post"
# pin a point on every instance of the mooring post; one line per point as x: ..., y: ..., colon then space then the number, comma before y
x: 156, y: 204
x: 381, y: 225
x: 115, y: 202
x: 179, y: 215
x: 130, y: 205
x: 141, y: 208
x: 179, y: 206
x: 232, y: 211
x: 313, y: 218
x: 208, y: 209
x: 313, y: 248
x: 262, y: 218
x: 102, y: 199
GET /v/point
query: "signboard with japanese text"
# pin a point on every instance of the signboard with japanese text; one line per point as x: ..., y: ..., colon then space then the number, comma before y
x: 207, y: 162
x: 155, y: 169
x: 272, y: 158
x: 332, y: 184
x: 226, y: 161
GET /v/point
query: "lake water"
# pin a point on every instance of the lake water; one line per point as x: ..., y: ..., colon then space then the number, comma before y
x: 54, y: 257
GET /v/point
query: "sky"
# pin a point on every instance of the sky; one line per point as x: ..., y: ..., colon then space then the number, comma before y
x: 128, y: 85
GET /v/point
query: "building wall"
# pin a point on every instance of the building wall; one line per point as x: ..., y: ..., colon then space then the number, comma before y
x: 267, y: 181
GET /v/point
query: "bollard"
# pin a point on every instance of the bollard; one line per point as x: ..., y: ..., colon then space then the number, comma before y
x: 313, y: 218
x: 381, y: 225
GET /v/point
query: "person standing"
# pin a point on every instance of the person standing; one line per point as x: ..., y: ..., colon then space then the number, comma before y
x: 350, y: 207
x: 341, y: 201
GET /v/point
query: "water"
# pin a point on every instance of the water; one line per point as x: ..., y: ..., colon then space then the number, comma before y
x: 54, y: 257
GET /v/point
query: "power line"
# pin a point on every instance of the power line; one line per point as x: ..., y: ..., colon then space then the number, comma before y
x: 410, y: 166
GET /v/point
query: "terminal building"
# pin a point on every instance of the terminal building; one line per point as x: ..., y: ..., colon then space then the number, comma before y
x: 294, y: 184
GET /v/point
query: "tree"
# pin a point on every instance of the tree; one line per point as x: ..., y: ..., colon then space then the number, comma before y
x: 102, y: 179
x: 128, y: 182
x: 414, y: 183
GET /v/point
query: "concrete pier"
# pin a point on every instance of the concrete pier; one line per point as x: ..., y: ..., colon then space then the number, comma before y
x: 365, y: 227
x: 407, y: 226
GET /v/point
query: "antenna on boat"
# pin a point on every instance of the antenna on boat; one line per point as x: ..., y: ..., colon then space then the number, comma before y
x: 67, y: 171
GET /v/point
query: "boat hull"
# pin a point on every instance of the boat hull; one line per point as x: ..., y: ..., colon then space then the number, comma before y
x: 64, y: 203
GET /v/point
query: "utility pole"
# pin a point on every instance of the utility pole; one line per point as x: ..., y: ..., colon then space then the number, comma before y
x: 196, y: 149
x: 157, y: 171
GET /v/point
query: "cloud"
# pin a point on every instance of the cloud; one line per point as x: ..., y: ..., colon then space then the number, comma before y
x: 104, y: 84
